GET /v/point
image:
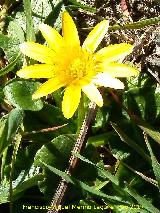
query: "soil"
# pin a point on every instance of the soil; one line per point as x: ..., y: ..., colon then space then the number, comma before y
x: 146, y: 40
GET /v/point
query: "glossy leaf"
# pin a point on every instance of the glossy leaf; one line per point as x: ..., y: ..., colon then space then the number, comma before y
x: 19, y: 94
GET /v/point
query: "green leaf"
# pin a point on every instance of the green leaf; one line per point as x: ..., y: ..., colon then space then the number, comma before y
x: 10, y: 46
x: 32, y: 181
x: 135, y: 208
x: 3, y: 134
x: 101, y: 170
x: 15, y: 118
x: 81, y: 184
x: 9, y: 127
x: 54, y: 14
x: 90, y: 206
x: 10, y: 66
x: 58, y: 152
x: 19, y: 94
x: 23, y: 166
x: 76, y: 4
x: 130, y: 142
x: 16, y: 30
x: 155, y: 164
x: 4, y: 191
x: 1, y: 94
x: 141, y: 200
x: 150, y: 131
x: 4, y: 41
x: 59, y: 173
x: 48, y: 117
x: 18, y: 187
x: 99, y: 139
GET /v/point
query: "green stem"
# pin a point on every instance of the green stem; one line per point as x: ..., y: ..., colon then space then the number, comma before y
x: 3, y: 162
x: 136, y: 25
x: 30, y: 35
x: 131, y: 26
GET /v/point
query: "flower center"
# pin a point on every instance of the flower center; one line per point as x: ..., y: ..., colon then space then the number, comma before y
x: 77, y: 69
x: 79, y: 66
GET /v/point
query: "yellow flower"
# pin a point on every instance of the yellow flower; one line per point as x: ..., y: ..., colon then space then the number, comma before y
x: 78, y: 68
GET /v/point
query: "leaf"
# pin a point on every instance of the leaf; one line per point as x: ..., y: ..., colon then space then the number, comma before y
x: 45, y: 119
x: 4, y: 41
x: 81, y: 184
x: 58, y: 152
x: 59, y: 173
x: 32, y: 181
x: 150, y: 180
x: 3, y: 134
x: 135, y: 208
x: 4, y: 191
x: 18, y: 187
x: 23, y: 166
x: 54, y: 14
x: 130, y: 142
x: 1, y: 94
x: 150, y: 131
x: 10, y: 46
x: 15, y: 30
x: 76, y: 4
x: 9, y: 127
x: 149, y: 108
x: 99, y: 140
x: 15, y: 118
x: 155, y: 164
x: 89, y: 206
x: 141, y: 200
x: 19, y: 94
x: 105, y: 173
x: 10, y: 66
x: 150, y: 104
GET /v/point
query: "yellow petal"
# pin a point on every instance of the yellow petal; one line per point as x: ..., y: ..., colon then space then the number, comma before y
x: 93, y: 94
x: 103, y: 79
x: 38, y: 52
x: 37, y: 71
x: 95, y: 36
x: 69, y: 30
x: 53, y: 38
x: 119, y: 70
x: 71, y: 100
x: 47, y: 88
x: 113, y: 52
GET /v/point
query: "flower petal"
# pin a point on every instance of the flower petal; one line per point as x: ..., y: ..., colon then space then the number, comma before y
x: 38, y: 52
x: 93, y: 94
x: 37, y: 71
x: 48, y: 87
x: 71, y: 100
x: 103, y: 79
x: 53, y: 38
x: 95, y: 36
x: 113, y: 52
x: 69, y: 30
x: 119, y: 70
